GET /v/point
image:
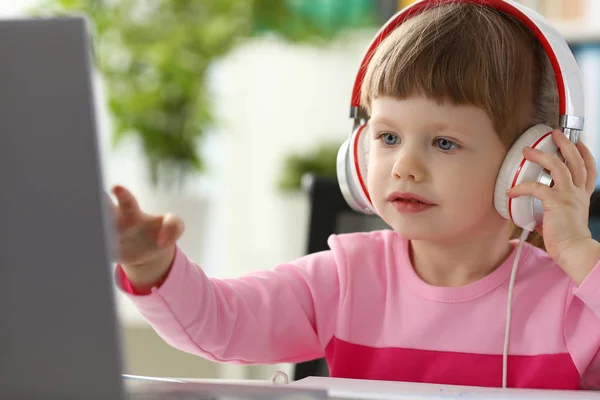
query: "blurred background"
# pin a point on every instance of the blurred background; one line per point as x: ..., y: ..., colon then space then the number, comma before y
x: 215, y: 109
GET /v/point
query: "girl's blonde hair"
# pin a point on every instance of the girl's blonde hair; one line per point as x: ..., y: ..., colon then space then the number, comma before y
x: 467, y: 53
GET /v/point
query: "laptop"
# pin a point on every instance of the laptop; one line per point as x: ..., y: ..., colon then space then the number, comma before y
x: 59, y: 336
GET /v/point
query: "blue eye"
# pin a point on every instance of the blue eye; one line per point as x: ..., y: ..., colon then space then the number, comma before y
x: 446, y: 145
x: 389, y: 139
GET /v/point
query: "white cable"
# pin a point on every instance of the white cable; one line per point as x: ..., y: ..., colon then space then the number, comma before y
x: 511, y: 285
x: 280, y: 374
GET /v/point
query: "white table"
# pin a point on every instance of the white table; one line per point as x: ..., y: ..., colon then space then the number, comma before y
x: 351, y: 389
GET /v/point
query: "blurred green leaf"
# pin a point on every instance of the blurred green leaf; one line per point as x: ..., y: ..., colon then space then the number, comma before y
x: 320, y: 161
x: 154, y: 56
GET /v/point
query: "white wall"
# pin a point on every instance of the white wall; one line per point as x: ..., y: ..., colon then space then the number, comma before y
x: 10, y: 8
x: 275, y: 99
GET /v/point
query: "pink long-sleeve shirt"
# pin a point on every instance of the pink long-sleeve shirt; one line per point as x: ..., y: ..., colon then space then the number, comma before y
x: 362, y: 306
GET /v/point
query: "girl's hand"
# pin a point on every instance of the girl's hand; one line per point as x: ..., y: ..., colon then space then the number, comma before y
x: 146, y: 242
x: 566, y: 204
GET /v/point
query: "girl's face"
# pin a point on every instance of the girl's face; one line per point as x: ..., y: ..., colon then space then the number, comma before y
x: 446, y: 155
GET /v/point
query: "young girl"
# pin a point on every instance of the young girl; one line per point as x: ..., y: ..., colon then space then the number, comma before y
x: 448, y: 92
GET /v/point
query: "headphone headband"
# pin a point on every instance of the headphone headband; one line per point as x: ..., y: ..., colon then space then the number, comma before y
x: 566, y: 71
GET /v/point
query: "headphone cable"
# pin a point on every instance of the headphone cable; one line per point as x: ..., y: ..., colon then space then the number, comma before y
x: 511, y: 285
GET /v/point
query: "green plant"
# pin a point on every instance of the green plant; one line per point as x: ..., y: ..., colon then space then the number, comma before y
x: 320, y: 161
x: 154, y: 56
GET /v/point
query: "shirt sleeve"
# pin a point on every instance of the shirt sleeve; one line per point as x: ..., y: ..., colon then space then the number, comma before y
x: 284, y: 314
x: 130, y: 288
x: 582, y: 327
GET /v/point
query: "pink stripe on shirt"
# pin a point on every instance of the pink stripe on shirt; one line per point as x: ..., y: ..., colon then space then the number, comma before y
x: 548, y: 371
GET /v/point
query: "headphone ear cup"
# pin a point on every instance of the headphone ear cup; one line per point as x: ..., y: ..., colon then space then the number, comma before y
x: 352, y: 161
x: 516, y: 169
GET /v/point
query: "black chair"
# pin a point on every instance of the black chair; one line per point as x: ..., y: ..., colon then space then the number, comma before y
x: 594, y: 219
x: 329, y: 214
x: 326, y: 202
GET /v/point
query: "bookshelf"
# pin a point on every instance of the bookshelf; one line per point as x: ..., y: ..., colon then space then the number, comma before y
x: 577, y: 32
x: 577, y: 20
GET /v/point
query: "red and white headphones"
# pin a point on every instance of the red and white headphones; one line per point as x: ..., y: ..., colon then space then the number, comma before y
x: 524, y: 211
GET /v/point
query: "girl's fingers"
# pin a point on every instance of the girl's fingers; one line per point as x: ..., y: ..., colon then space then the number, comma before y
x: 575, y: 163
x: 128, y: 207
x: 590, y: 166
x: 561, y: 175
x: 171, y: 229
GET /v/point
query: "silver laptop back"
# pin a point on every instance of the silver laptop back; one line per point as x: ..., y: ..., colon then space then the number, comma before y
x: 58, y: 330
